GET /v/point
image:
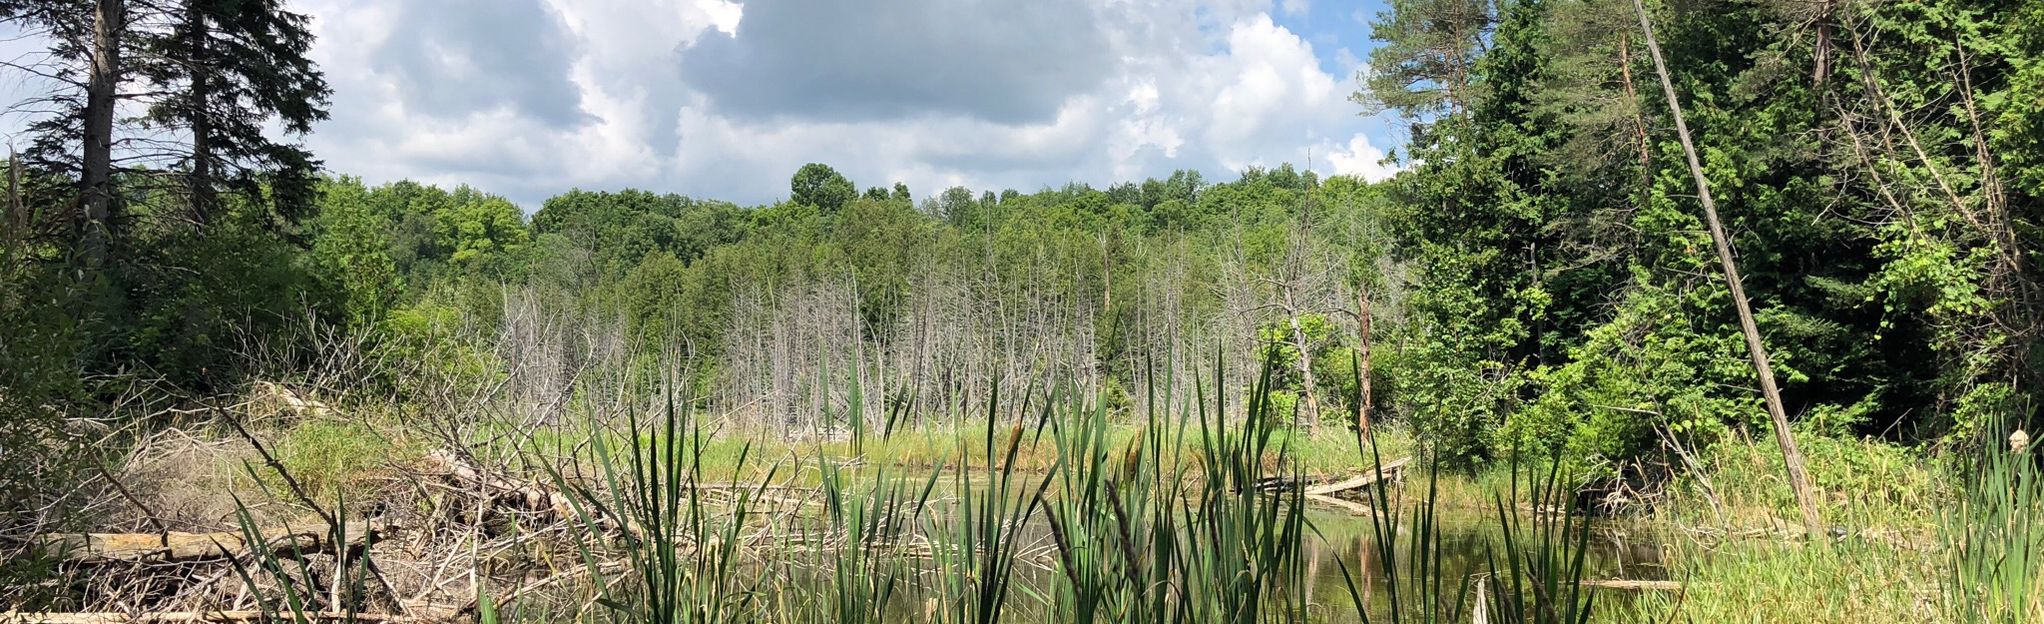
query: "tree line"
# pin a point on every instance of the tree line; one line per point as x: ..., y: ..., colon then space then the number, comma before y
x: 1540, y: 276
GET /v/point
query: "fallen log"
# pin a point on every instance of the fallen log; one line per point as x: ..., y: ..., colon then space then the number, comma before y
x: 18, y: 617
x: 1287, y: 482
x: 1386, y: 471
x: 305, y: 538
x: 1331, y: 483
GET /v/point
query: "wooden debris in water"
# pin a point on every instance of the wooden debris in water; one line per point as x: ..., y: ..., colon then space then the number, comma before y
x: 1392, y: 470
x: 1327, y: 484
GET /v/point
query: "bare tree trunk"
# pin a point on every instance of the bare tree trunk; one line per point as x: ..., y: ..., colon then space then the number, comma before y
x: 1364, y: 400
x: 108, y: 24
x: 1821, y: 69
x: 1799, y: 476
x: 1639, y: 125
x: 1305, y: 370
x: 17, y: 218
x: 201, y: 182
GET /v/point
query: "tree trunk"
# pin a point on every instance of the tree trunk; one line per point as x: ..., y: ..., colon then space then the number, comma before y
x: 203, y: 199
x: 1364, y: 400
x: 1821, y: 67
x: 1305, y: 373
x: 1799, y: 476
x: 108, y: 24
x: 1639, y: 125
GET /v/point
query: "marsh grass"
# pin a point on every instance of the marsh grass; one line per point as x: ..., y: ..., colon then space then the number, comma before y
x: 1842, y: 581
x: 1050, y: 514
x: 1055, y: 513
x: 1862, y: 485
x: 1913, y: 539
x: 1994, y: 539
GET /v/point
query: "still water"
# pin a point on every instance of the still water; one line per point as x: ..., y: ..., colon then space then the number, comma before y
x: 1338, y: 540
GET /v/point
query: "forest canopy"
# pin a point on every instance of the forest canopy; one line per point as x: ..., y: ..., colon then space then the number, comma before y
x: 1536, y: 277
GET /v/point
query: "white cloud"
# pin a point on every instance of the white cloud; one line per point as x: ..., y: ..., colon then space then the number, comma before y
x: 1361, y: 159
x: 1213, y: 85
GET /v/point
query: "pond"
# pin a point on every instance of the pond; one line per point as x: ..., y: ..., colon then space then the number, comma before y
x: 1337, y: 541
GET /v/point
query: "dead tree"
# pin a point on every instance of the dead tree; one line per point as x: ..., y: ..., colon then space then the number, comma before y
x: 1799, y: 476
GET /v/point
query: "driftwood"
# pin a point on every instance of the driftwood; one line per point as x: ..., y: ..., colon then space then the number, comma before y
x: 501, y: 489
x: 16, y: 617
x: 1326, y: 484
x: 309, y: 537
x: 1321, y: 489
x: 1390, y: 470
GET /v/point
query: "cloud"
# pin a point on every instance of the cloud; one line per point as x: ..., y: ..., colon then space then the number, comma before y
x: 1008, y: 62
x: 458, y: 57
x: 714, y: 98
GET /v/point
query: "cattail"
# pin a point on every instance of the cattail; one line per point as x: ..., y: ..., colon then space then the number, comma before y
x: 2019, y: 441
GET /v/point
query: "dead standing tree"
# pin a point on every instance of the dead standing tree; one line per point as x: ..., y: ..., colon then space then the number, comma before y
x: 1799, y: 476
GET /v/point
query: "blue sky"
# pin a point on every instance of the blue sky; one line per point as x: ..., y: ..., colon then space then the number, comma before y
x: 724, y: 99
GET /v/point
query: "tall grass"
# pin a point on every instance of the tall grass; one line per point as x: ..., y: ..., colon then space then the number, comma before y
x: 1994, y: 538
x: 683, y: 553
x: 1167, y: 525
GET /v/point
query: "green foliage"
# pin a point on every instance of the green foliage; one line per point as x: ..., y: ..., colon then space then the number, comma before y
x: 816, y: 184
x: 480, y: 230
x: 1565, y: 299
x: 352, y: 244
x: 428, y: 338
x: 1425, y: 65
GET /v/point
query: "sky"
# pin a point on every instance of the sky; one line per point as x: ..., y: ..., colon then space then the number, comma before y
x: 722, y: 99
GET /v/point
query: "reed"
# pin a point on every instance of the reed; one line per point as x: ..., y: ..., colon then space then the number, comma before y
x: 1165, y: 525
x: 1994, y: 539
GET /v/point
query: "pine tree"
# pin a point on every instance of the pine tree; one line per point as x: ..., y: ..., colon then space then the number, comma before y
x: 230, y: 67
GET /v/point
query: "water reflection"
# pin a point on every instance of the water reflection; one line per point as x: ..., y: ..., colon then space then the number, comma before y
x: 1338, y: 539
x: 1466, y: 541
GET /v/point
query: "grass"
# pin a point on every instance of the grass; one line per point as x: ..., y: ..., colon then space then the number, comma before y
x: 963, y: 447
x: 1912, y: 540
x: 1863, y: 486
x: 1804, y: 583
x: 331, y: 456
x: 1054, y: 515
x: 1732, y: 535
x: 1069, y: 514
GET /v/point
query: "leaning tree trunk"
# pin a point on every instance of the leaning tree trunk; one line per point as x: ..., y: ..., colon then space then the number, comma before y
x: 1799, y: 476
x: 108, y: 23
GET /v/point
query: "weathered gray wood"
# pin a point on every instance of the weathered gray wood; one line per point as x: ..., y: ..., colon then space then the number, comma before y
x: 1387, y: 470
x: 306, y: 537
x: 17, y: 617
